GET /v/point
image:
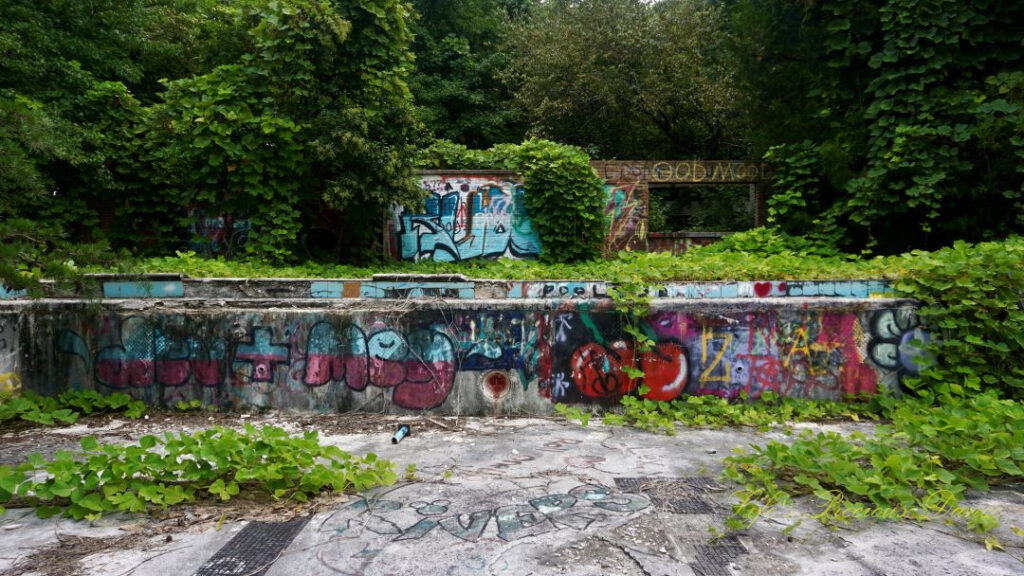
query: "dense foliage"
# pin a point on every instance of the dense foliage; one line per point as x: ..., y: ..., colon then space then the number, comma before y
x: 903, y: 125
x: 159, y: 472
x: 890, y: 126
x: 917, y: 467
x: 66, y: 407
x: 128, y: 122
x: 707, y: 263
x: 460, y: 57
x: 629, y: 79
x: 974, y: 310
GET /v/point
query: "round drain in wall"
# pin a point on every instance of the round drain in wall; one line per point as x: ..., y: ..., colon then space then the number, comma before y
x: 495, y: 385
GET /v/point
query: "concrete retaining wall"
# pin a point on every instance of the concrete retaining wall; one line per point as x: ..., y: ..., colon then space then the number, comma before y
x: 462, y: 353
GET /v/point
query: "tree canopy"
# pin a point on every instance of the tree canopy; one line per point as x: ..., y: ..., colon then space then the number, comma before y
x: 890, y: 124
x: 630, y: 79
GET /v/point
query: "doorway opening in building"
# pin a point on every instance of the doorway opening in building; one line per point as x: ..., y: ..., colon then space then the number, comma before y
x: 684, y: 215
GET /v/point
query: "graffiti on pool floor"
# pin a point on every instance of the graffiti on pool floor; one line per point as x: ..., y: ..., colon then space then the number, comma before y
x: 576, y: 509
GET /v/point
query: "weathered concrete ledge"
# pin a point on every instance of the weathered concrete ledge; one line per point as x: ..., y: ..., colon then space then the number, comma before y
x: 455, y: 355
x: 448, y: 286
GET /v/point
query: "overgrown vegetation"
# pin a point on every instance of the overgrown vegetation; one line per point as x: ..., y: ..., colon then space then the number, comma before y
x: 903, y: 118
x: 158, y: 472
x: 890, y: 126
x: 127, y: 122
x: 565, y: 201
x: 974, y: 309
x: 754, y: 255
x: 919, y: 466
x: 67, y: 407
x: 958, y: 430
x: 710, y: 411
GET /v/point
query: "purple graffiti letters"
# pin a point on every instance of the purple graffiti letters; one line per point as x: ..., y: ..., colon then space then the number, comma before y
x: 419, y: 367
x: 144, y: 354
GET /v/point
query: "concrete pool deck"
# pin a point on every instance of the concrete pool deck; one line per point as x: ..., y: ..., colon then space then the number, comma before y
x: 498, y: 496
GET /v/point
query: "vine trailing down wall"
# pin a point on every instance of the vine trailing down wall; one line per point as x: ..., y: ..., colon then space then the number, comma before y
x: 475, y: 356
x: 483, y: 215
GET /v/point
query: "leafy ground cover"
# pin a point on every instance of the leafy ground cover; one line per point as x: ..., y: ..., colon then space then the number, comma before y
x: 699, y: 264
x: 709, y: 411
x: 157, y: 472
x: 753, y: 255
x: 918, y: 463
x: 917, y: 466
x: 67, y: 407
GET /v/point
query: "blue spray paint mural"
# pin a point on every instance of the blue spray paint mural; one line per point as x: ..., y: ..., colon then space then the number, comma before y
x: 467, y: 217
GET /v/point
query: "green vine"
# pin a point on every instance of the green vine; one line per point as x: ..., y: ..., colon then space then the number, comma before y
x: 918, y: 467
x: 973, y: 298
x: 67, y: 407
x: 158, y: 472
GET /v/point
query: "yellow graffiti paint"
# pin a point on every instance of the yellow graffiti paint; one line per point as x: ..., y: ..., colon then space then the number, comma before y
x: 706, y: 337
x: 10, y: 385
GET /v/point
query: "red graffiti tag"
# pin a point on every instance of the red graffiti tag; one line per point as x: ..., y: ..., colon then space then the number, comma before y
x: 602, y: 373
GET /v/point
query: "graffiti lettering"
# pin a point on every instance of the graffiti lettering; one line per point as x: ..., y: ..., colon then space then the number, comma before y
x: 302, y: 358
x: 577, y: 510
x: 624, y: 217
x: 717, y: 370
x: 465, y: 218
x: 708, y: 171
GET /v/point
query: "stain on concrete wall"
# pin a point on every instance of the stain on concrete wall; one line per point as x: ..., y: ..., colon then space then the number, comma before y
x: 479, y: 358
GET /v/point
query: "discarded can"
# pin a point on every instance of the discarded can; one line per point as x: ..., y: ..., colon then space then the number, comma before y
x: 402, y: 432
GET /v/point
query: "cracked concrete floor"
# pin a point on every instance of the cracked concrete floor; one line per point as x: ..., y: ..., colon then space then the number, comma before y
x: 520, y: 497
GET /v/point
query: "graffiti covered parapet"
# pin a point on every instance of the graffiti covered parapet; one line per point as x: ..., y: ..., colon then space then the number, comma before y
x: 459, y: 355
x: 458, y: 287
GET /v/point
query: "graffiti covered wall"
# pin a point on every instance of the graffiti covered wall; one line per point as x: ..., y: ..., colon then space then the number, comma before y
x: 483, y: 215
x: 467, y: 216
x: 477, y: 357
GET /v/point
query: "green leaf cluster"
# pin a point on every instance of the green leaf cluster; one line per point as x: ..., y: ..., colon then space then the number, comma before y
x: 973, y: 299
x: 120, y: 120
x: 461, y: 54
x: 629, y: 78
x: 67, y: 407
x: 890, y: 125
x: 751, y: 259
x: 159, y: 472
x: 919, y: 466
x: 710, y: 411
x: 565, y: 200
